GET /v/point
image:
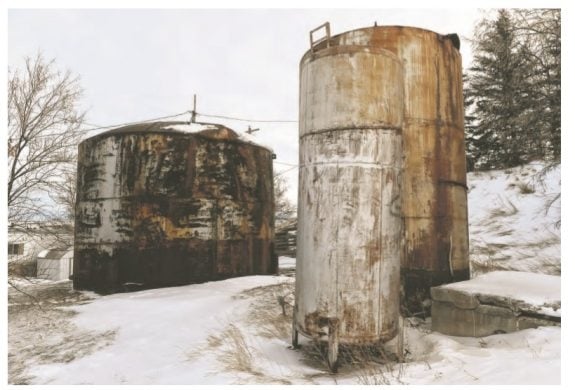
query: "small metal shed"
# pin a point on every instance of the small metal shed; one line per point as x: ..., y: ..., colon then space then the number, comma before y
x: 55, y: 264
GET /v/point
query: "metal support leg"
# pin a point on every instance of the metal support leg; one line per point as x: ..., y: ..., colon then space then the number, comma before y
x: 294, y: 333
x: 400, y: 356
x: 333, y: 344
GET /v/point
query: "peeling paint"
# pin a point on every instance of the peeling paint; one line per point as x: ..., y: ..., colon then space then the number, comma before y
x: 160, y: 207
x: 349, y: 228
x: 435, y: 210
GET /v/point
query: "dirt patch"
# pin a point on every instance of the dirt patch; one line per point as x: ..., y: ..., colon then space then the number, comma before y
x: 40, y: 330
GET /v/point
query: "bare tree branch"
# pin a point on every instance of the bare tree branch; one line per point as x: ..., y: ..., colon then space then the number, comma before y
x: 284, y: 208
x: 43, y: 124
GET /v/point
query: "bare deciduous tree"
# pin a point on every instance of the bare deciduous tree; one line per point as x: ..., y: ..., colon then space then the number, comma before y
x: 43, y: 123
x: 284, y: 208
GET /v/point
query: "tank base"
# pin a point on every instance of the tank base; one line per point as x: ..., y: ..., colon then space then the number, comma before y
x: 331, y: 343
x: 173, y: 264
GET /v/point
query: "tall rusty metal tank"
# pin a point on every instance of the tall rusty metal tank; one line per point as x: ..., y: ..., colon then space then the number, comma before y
x: 434, y: 181
x: 349, y: 222
x: 170, y: 203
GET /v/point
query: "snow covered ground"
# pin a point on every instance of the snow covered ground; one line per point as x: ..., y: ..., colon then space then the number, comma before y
x: 234, y: 332
x: 238, y: 331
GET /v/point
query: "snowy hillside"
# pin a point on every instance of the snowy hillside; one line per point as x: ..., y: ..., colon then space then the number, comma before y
x: 238, y: 331
x: 514, y: 219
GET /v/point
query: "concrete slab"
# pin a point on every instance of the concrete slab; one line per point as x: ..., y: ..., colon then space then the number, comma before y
x: 497, y: 302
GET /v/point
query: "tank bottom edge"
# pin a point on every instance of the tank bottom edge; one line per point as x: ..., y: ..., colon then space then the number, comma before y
x: 126, y: 268
x: 356, y: 341
x: 128, y: 286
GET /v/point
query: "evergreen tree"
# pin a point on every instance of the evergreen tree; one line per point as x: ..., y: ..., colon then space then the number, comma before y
x: 496, y: 90
x: 539, y: 31
x: 513, y: 89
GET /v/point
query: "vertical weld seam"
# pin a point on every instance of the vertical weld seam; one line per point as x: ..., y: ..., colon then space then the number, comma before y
x: 381, y: 258
x: 337, y: 287
x: 215, y: 259
x: 450, y: 252
x: 439, y: 201
x: 301, y: 167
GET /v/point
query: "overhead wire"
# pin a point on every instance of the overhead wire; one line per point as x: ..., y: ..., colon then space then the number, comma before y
x: 286, y: 171
x: 98, y: 127
x: 132, y: 123
x: 247, y: 120
x: 285, y: 163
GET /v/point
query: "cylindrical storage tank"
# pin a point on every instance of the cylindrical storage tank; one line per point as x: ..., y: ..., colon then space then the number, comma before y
x: 169, y: 203
x: 434, y: 180
x: 349, y: 222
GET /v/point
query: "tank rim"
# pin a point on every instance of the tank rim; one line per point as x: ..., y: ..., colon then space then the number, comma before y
x: 394, y: 26
x: 391, y: 26
x: 162, y: 127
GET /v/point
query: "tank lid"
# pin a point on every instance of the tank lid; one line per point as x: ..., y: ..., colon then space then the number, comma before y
x: 209, y: 130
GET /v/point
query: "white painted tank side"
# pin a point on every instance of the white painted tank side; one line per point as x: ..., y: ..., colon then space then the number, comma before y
x: 349, y: 225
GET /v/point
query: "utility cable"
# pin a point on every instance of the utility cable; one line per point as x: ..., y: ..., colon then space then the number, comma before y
x: 133, y: 123
x: 286, y: 171
x: 98, y: 127
x: 247, y: 120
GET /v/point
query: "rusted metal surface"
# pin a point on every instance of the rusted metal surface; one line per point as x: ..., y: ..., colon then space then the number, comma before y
x: 161, y: 207
x: 434, y: 181
x: 349, y: 222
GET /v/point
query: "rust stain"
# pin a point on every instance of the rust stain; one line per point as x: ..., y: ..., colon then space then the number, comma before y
x: 435, y: 211
x: 433, y: 183
x: 160, y: 207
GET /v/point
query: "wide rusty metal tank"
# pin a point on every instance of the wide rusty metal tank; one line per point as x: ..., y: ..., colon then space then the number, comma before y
x: 434, y: 180
x: 169, y: 203
x: 349, y: 222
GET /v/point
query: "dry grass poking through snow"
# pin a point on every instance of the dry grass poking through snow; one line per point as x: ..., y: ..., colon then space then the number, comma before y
x: 236, y: 354
x: 272, y: 309
x: 367, y: 364
x: 269, y: 314
x: 40, y: 330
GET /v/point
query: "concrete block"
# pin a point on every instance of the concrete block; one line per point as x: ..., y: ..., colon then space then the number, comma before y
x: 460, y: 299
x: 500, y: 302
x: 482, y: 321
x: 492, y: 320
x: 448, y: 319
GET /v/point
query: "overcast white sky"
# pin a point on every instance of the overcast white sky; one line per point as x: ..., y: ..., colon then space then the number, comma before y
x: 136, y: 64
